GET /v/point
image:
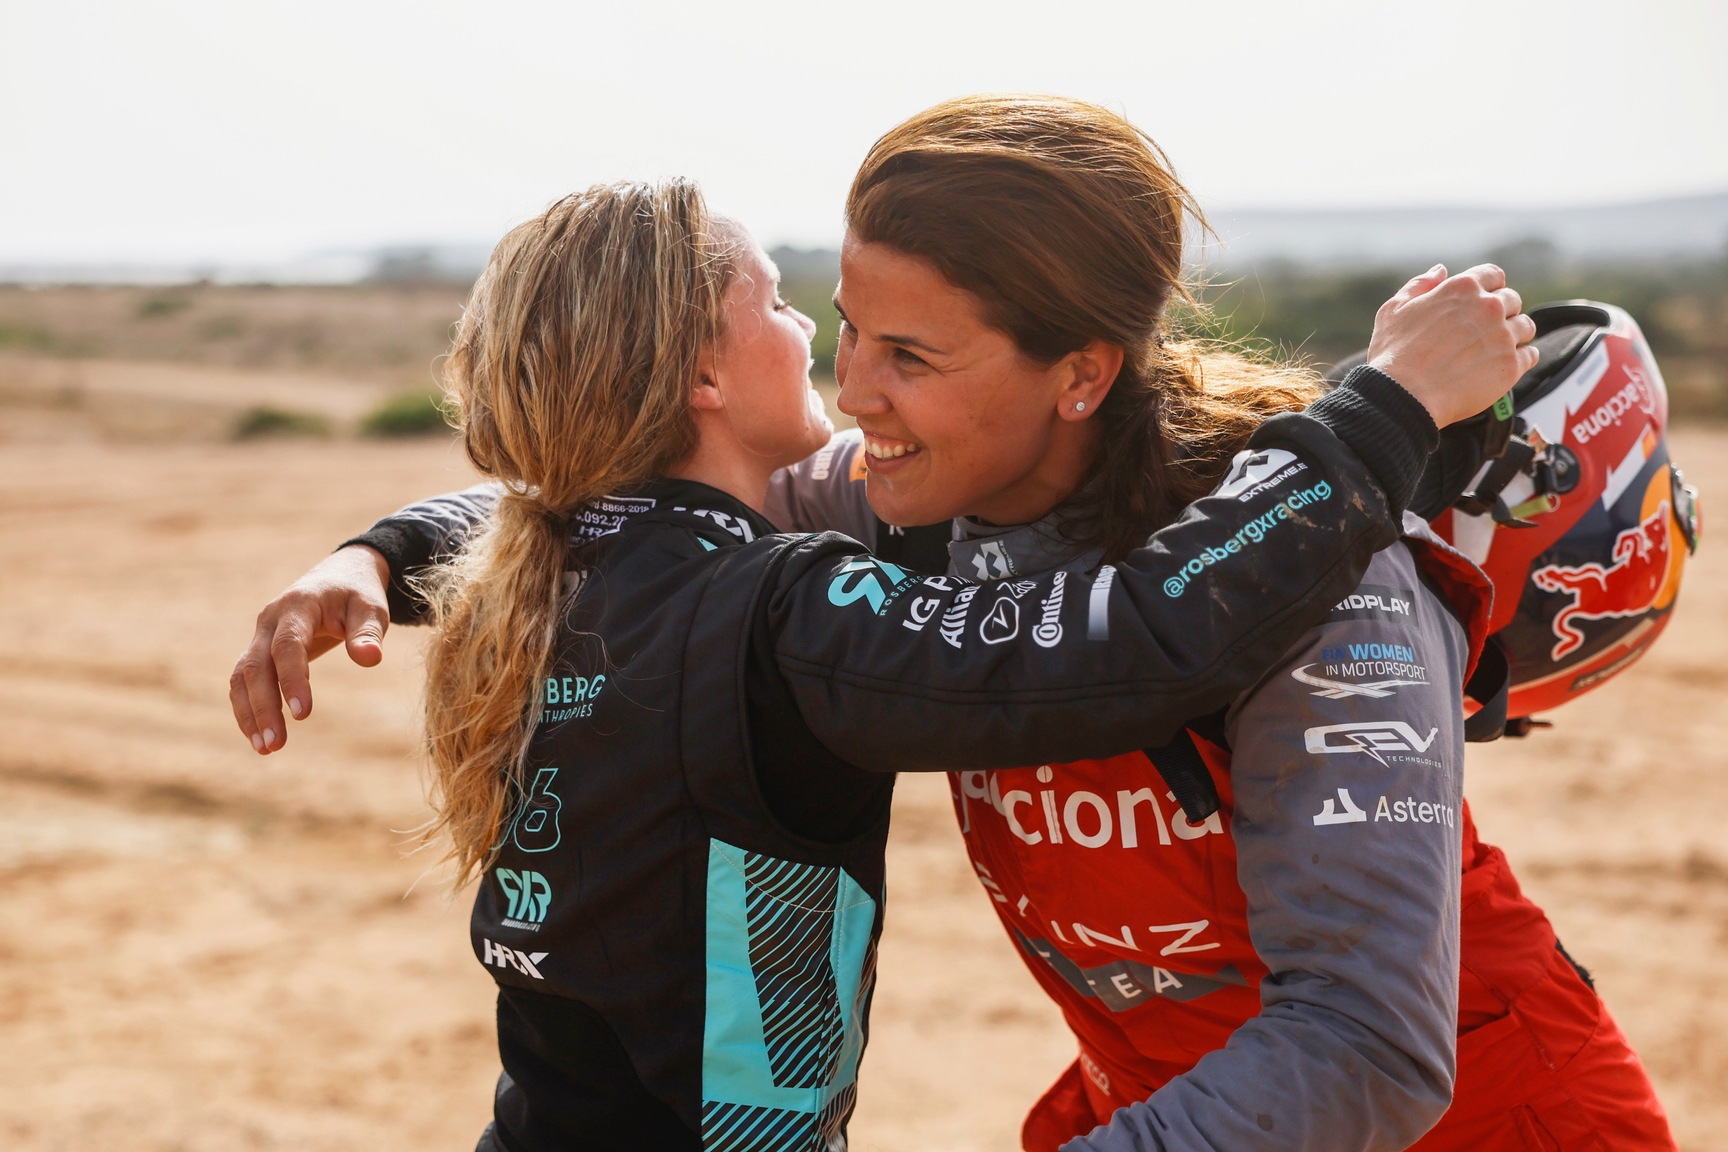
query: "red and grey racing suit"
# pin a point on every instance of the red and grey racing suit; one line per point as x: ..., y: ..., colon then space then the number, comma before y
x: 1256, y: 978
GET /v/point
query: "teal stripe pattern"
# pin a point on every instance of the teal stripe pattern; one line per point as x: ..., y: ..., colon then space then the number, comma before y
x: 790, y: 909
x: 740, y: 1128
x: 790, y: 963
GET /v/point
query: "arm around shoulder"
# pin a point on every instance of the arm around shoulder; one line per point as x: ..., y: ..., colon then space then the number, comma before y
x: 1083, y: 661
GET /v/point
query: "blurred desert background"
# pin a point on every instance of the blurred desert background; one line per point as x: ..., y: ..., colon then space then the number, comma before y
x: 205, y: 950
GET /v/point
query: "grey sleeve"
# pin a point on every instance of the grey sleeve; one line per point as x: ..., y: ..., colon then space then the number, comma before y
x: 422, y: 534
x: 448, y: 519
x: 1347, y: 777
x: 824, y: 492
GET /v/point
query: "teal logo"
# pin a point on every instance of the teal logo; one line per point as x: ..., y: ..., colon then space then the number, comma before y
x: 529, y: 894
x: 862, y: 579
x: 570, y: 698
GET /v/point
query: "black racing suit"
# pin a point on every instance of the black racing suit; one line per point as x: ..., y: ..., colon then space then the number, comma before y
x: 683, y: 913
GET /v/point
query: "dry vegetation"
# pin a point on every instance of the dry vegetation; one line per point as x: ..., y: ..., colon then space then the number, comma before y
x: 382, y: 334
x: 202, y: 950
x: 1682, y: 308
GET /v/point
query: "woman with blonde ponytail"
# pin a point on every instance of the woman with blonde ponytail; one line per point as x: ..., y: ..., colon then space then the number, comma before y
x: 571, y: 376
x: 664, y: 736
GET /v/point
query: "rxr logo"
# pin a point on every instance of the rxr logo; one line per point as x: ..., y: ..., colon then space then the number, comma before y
x: 498, y: 956
x: 1371, y: 737
x: 529, y: 894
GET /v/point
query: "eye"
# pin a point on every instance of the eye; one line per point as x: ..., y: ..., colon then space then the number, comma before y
x: 781, y: 305
x: 908, y: 359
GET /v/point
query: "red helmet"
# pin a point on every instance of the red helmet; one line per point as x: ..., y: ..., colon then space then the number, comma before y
x: 1581, y: 519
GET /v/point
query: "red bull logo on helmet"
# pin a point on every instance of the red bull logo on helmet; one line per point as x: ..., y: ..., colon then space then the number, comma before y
x: 1626, y: 587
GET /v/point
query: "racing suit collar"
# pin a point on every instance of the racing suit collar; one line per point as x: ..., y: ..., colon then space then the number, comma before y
x: 665, y: 499
x: 1001, y: 552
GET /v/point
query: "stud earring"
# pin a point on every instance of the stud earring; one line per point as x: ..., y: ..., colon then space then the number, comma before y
x: 1080, y: 406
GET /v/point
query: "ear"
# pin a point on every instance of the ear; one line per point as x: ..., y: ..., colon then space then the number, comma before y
x: 707, y: 396
x: 1085, y: 379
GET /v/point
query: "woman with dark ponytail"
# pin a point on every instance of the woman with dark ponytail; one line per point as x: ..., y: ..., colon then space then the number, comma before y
x: 1065, y: 225
x: 667, y: 748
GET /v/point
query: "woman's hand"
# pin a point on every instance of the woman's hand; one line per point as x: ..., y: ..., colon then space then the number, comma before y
x: 1455, y: 343
x: 341, y: 600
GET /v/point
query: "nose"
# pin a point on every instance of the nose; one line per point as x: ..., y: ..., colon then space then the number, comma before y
x: 805, y: 323
x: 860, y: 393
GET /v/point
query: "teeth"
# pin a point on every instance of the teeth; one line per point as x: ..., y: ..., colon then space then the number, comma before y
x: 885, y: 452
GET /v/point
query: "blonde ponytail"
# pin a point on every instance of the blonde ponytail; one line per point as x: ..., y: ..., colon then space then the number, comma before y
x: 571, y: 373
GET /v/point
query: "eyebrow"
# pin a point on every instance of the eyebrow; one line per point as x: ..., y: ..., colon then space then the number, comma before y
x: 889, y: 338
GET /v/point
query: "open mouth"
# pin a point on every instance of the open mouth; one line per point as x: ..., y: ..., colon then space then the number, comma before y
x: 888, y: 448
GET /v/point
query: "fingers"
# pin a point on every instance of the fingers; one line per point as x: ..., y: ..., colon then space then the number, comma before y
x: 1528, y: 355
x: 1489, y: 276
x: 1423, y: 284
x: 242, y: 705
x: 366, y: 622
x: 342, y: 599
x: 253, y: 693
x: 366, y: 613
x: 290, y: 652
x: 1511, y: 304
x: 1523, y: 329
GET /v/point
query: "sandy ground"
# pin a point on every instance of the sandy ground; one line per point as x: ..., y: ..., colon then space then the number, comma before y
x: 203, y: 950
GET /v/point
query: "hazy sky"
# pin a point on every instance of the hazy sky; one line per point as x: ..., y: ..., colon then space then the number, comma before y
x: 234, y: 130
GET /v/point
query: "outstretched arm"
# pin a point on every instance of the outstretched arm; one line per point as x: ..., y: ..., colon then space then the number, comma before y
x: 414, y: 538
x: 350, y: 597
x: 340, y: 601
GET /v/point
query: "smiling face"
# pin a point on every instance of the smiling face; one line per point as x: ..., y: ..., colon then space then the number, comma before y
x: 760, y: 371
x: 956, y: 419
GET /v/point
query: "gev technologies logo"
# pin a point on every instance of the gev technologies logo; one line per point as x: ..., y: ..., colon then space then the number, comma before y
x: 1371, y: 737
